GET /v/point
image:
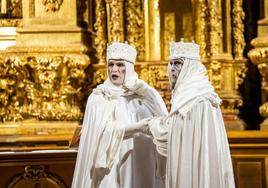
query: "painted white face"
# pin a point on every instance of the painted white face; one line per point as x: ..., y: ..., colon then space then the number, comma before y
x: 174, y: 69
x: 117, y: 71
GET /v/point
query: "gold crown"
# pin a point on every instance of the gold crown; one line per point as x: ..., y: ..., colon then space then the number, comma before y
x: 184, y: 49
x: 118, y: 50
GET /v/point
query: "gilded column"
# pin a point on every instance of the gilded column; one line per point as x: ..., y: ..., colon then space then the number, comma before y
x: 202, y: 28
x: 152, y: 30
x: 115, y: 20
x: 238, y: 29
x: 100, y: 29
x: 259, y: 56
x: 135, y: 26
x: 215, y: 28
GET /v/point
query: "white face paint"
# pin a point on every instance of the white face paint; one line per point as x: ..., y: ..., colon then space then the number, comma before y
x: 116, y: 71
x: 174, y: 69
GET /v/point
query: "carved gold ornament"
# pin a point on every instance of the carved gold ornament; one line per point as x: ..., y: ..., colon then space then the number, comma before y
x: 52, y: 5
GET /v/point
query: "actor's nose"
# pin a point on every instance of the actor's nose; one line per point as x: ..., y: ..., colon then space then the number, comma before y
x: 115, y: 69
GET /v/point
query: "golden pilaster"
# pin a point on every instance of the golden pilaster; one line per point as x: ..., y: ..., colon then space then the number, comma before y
x: 135, y: 26
x: 152, y: 30
x: 115, y: 17
x: 238, y: 27
x: 101, y: 30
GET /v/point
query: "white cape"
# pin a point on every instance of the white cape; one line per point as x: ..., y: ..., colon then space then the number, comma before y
x: 104, y: 158
x: 193, y: 135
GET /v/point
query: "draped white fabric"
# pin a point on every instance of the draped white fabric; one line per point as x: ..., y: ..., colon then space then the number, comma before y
x: 196, y: 147
x: 104, y: 158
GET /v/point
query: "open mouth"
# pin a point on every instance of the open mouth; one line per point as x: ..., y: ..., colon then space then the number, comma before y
x: 115, y: 77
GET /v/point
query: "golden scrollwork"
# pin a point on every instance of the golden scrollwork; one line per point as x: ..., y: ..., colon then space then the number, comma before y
x: 100, y: 29
x: 215, y: 74
x: 51, y: 84
x: 264, y: 109
x: 16, y: 8
x: 52, y: 5
x: 259, y: 56
x: 135, y: 26
x: 36, y: 176
x: 240, y: 73
x: 215, y: 27
x: 156, y: 75
x: 238, y: 29
x: 116, y: 21
x: 12, y: 84
x: 203, y: 29
x: 10, y: 22
x: 99, y: 75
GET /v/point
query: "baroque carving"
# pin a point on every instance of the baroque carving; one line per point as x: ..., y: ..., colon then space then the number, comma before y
x: 16, y: 8
x: 42, y: 87
x: 12, y: 85
x: 10, y: 22
x: 238, y: 29
x: 203, y: 29
x: 116, y: 21
x: 36, y: 176
x: 215, y: 27
x: 135, y: 26
x: 215, y: 74
x: 240, y: 73
x: 52, y: 5
x: 100, y: 39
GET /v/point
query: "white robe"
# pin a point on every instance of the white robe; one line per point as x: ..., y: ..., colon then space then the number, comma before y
x: 193, y: 135
x: 106, y: 160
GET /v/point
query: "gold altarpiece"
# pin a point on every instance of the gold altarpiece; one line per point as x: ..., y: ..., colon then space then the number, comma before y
x: 59, y: 48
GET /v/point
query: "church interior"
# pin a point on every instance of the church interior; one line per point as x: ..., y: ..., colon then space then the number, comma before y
x: 53, y: 53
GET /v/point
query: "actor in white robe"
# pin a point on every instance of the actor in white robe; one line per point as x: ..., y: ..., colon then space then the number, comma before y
x: 193, y: 135
x: 106, y: 158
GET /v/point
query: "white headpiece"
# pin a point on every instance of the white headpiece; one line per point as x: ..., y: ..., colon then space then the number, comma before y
x: 184, y: 49
x: 118, y: 50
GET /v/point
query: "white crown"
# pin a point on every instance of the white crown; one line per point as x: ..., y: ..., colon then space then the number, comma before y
x: 184, y: 49
x: 118, y: 50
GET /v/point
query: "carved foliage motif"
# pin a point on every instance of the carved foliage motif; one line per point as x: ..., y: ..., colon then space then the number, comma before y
x: 116, y: 21
x: 12, y: 84
x: 238, y: 29
x: 215, y: 27
x: 215, y: 74
x: 36, y: 176
x: 52, y: 5
x: 135, y: 26
x: 46, y: 88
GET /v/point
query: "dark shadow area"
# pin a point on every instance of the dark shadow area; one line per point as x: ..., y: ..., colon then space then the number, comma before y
x: 250, y: 89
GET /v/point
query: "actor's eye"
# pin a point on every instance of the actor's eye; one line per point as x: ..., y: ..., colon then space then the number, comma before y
x: 120, y: 64
x: 111, y: 64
